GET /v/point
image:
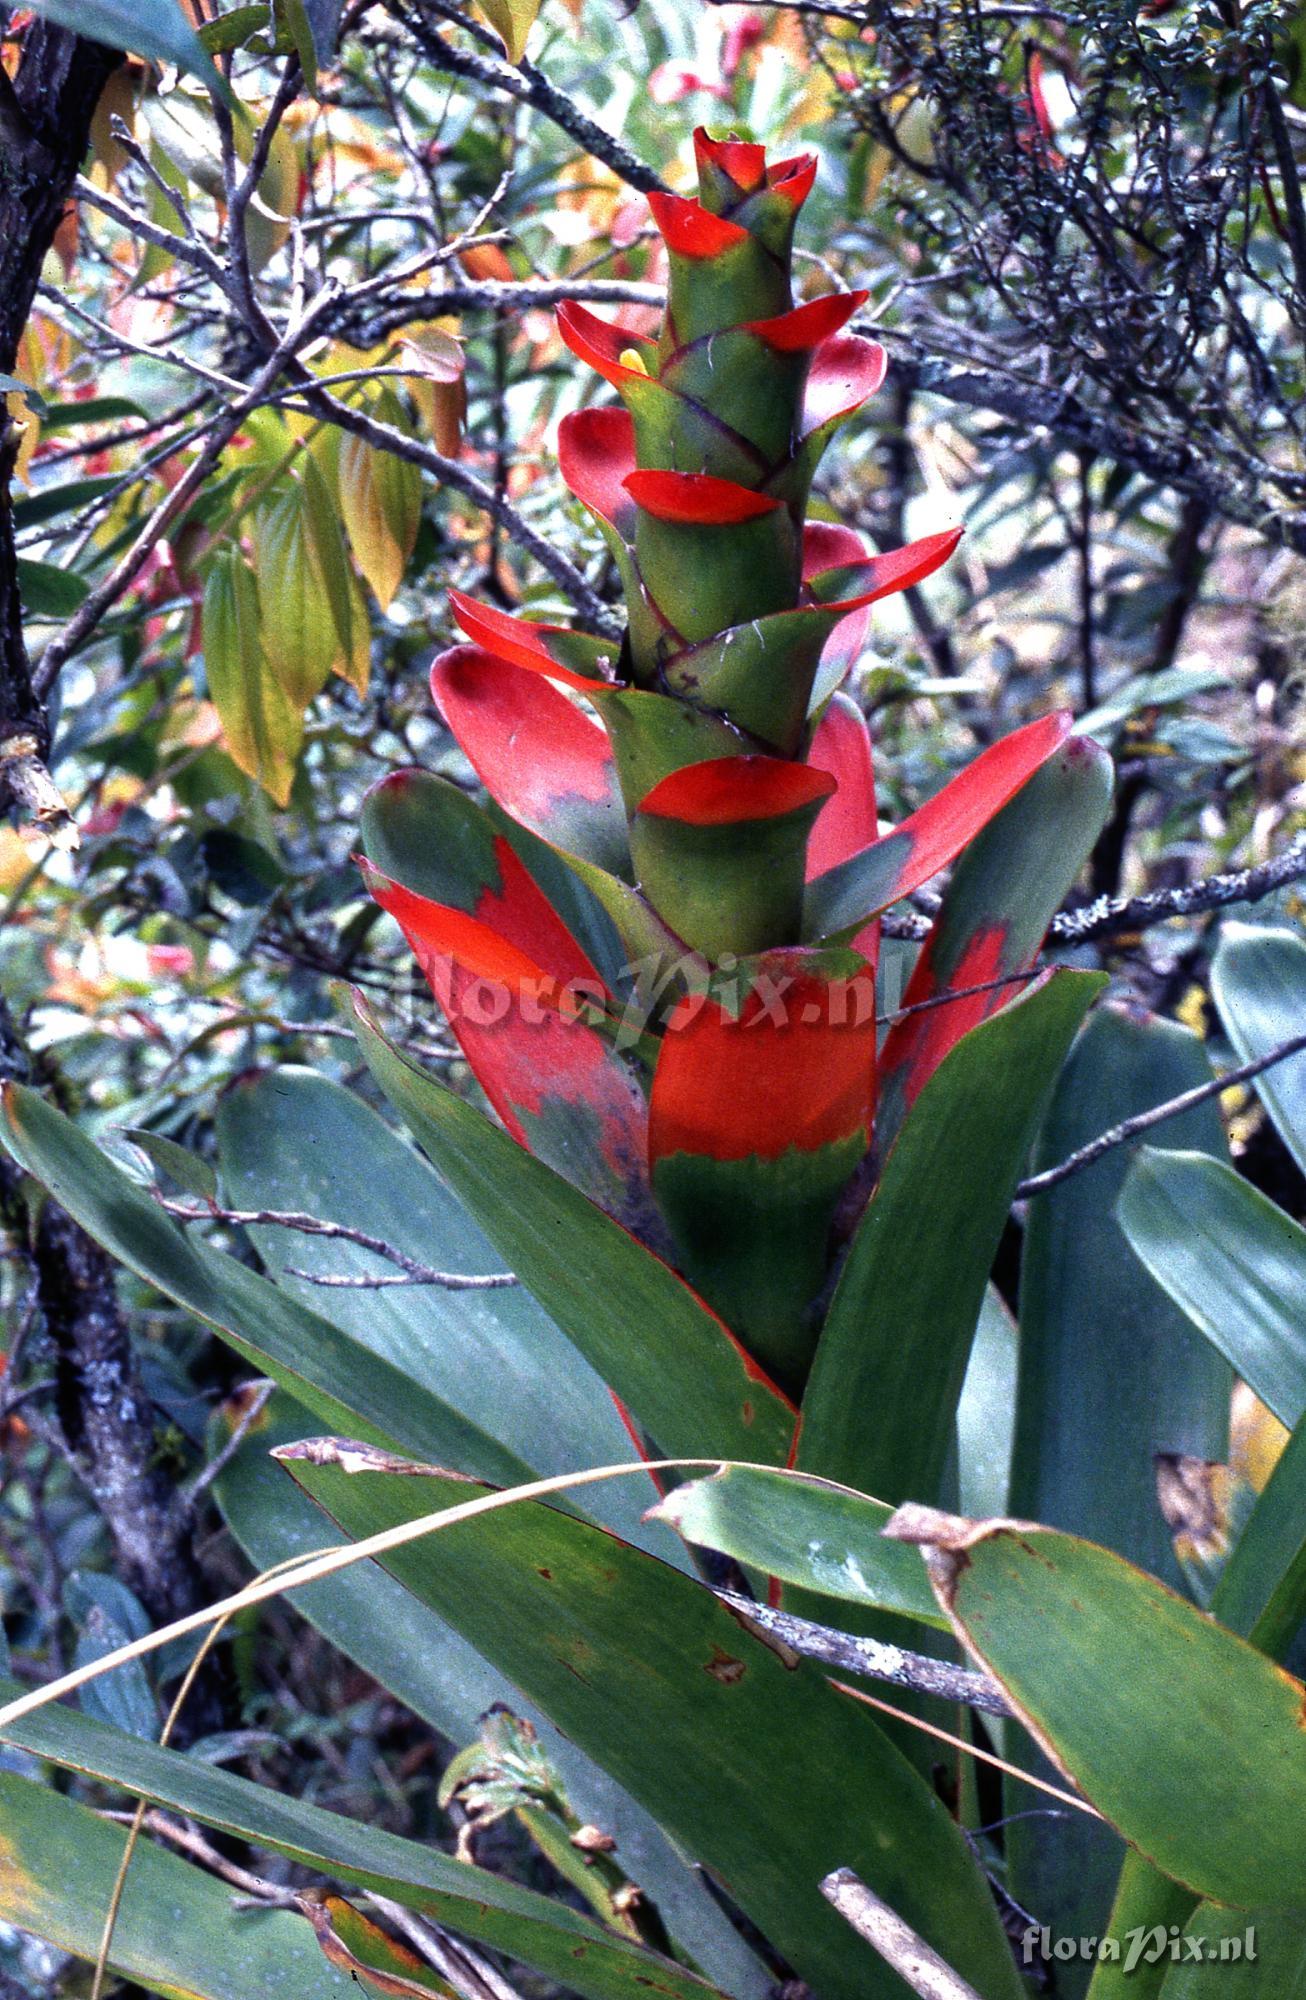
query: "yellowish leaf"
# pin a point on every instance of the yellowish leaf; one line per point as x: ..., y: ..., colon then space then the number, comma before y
x: 512, y: 20
x: 381, y: 500
x: 261, y: 727
x: 438, y: 386
x: 298, y: 630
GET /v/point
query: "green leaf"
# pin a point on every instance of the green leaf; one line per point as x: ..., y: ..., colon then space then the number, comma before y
x: 806, y: 1531
x: 1245, y: 1955
x: 1258, y: 979
x: 177, y: 1932
x: 107, y: 1616
x: 344, y: 1383
x: 656, y: 1346
x: 292, y: 23
x: 649, y: 1673
x: 1262, y: 1587
x: 898, y: 1334
x: 1145, y: 1899
x: 546, y: 1935
x: 434, y: 1671
x: 231, y: 30
x: 93, y: 410
x: 288, y: 1139
x: 297, y: 626
x: 48, y: 591
x: 352, y: 650
x: 1184, y: 1736
x: 61, y: 497
x: 261, y: 725
x: 1110, y: 1374
x: 155, y: 28
x: 1231, y: 1260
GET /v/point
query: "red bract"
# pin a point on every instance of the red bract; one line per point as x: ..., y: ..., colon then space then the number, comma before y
x: 657, y: 945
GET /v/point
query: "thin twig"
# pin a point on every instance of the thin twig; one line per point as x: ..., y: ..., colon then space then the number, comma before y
x: 879, y: 1661
x: 902, y: 1948
x: 255, y: 1404
x: 1143, y: 1121
x: 413, y: 1270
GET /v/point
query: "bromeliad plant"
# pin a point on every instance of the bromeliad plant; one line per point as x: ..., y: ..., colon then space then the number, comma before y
x: 708, y: 792
x: 762, y: 1232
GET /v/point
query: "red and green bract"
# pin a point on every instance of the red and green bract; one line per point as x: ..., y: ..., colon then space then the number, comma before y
x: 682, y: 825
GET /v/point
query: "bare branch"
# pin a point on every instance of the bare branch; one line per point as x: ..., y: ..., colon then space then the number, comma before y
x: 897, y: 1943
x: 872, y: 1657
x: 1144, y: 1121
x: 413, y: 1272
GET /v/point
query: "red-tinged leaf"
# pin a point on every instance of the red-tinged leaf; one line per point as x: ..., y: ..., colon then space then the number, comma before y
x: 600, y: 344
x: 779, y: 1054
x: 846, y: 823
x: 513, y: 983
x: 738, y: 159
x: 719, y: 850
x: 729, y: 790
x: 844, y: 897
x: 596, y: 454
x: 793, y: 179
x: 807, y: 325
x: 879, y: 576
x: 670, y: 1360
x: 578, y: 659
x: 539, y: 755
x: 696, y: 497
x: 828, y: 545
x: 456, y: 950
x: 845, y: 370
x: 1003, y: 894
x: 761, y: 1111
x: 690, y: 230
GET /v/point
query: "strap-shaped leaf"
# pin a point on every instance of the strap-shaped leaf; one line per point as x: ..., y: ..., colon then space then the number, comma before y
x: 1258, y: 980
x: 840, y: 901
x: 897, y: 1336
x: 760, y: 1114
x: 527, y: 1926
x: 654, y: 1342
x: 651, y: 1675
x: 344, y: 1382
x: 1219, y: 1801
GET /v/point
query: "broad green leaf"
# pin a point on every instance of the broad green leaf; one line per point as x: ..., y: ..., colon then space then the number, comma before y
x: 651, y: 1675
x: 806, y: 1531
x: 1231, y: 1260
x: 155, y: 28
x: 177, y: 1932
x: 351, y: 657
x: 1258, y: 979
x: 513, y: 21
x: 290, y: 18
x: 433, y: 1670
x: 343, y: 1382
x: 381, y: 500
x: 261, y: 726
x: 1147, y: 1904
x: 898, y: 1334
x: 1003, y: 893
x: 1262, y: 1588
x: 1187, y: 1739
x: 987, y: 1411
x: 1245, y: 1955
x: 546, y: 1935
x: 47, y: 590
x: 288, y: 1139
x: 650, y: 1338
x: 1110, y: 1374
x: 47, y: 503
